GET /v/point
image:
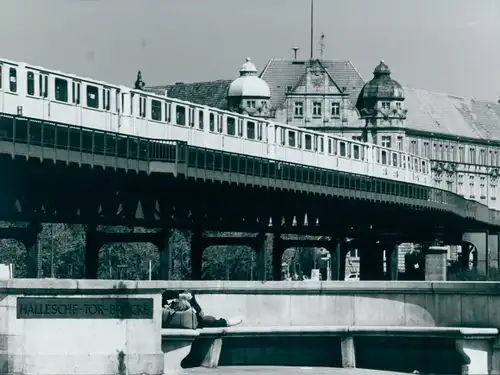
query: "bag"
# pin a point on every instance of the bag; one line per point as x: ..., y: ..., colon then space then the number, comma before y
x: 179, y: 319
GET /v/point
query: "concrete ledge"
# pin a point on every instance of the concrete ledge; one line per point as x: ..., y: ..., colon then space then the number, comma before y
x: 63, y: 287
x: 335, y: 287
x: 473, y: 344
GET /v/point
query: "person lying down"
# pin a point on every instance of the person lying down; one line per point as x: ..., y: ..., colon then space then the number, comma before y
x: 181, y: 310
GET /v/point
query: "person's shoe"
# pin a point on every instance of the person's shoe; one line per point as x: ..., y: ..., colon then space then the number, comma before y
x: 234, y: 321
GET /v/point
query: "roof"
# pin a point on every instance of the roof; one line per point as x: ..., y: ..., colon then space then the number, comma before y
x: 211, y: 93
x: 452, y: 115
x: 280, y: 74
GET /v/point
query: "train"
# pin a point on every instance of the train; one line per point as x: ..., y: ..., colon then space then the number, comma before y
x: 53, y: 96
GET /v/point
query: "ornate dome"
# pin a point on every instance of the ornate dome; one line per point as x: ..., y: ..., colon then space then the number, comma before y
x: 382, y: 86
x: 248, y: 84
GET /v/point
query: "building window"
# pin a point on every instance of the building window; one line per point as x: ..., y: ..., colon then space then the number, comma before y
x: 461, y: 154
x: 472, y: 155
x: 471, y: 187
x: 413, y: 147
x: 400, y: 143
x: 264, y: 104
x: 460, y: 184
x: 427, y: 150
x: 251, y: 103
x: 482, y: 157
x: 316, y: 109
x: 482, y: 187
x: 386, y: 105
x: 298, y: 109
x: 398, y: 105
x: 335, y: 109
x: 386, y: 141
x: 358, y: 138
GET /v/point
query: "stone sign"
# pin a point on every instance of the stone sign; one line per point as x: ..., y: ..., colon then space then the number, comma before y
x: 84, y: 308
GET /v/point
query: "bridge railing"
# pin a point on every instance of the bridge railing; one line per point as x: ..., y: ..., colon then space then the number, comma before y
x: 33, y: 132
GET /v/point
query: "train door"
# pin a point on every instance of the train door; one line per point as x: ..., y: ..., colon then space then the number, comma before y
x: 106, y: 106
x: 77, y: 92
x: 269, y: 139
x: 43, y: 85
x: 2, y: 110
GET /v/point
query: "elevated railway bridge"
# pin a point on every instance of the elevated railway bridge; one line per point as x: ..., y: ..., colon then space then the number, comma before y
x: 53, y: 172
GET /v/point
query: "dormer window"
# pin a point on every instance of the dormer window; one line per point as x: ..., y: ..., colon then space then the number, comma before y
x: 298, y: 109
x: 386, y: 105
x: 398, y: 105
x: 317, y: 109
x: 251, y: 103
x: 335, y: 109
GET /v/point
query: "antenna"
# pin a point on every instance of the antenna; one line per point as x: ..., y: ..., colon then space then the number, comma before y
x: 295, y: 49
x: 312, y: 29
x: 322, y: 45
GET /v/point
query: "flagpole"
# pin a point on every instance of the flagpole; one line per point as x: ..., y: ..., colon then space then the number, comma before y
x: 312, y: 29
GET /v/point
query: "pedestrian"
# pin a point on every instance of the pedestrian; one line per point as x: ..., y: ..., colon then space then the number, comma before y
x: 183, y: 311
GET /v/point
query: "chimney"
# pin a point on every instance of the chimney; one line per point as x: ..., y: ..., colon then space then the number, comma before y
x: 295, y: 50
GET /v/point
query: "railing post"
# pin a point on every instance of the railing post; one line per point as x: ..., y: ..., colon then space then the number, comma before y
x: 180, y: 158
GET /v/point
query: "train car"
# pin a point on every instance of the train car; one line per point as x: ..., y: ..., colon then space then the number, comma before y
x: 50, y: 95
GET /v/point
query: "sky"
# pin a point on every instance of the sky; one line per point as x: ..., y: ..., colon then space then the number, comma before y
x: 450, y: 46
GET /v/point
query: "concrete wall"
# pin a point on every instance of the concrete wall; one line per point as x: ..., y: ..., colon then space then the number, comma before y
x: 373, y: 303
x: 79, y: 345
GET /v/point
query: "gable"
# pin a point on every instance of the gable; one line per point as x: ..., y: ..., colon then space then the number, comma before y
x: 316, y: 80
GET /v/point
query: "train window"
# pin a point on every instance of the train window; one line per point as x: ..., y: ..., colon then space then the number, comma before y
x: 308, y: 142
x: 383, y: 154
x: 330, y: 148
x: 356, y: 153
x: 415, y: 163
x: 322, y: 144
x: 156, y: 110
x: 342, y: 149
x: 76, y: 92
x: 13, y: 79
x: 291, y: 138
x: 132, y: 103
x: 180, y: 115
x: 30, y: 83
x: 424, y: 167
x: 167, y: 112
x: 394, y: 159
x: 250, y: 130
x: 122, y: 99
x: 231, y: 126
x: 92, y: 96
x: 61, y: 88
x: 201, y: 119
x: 212, y: 122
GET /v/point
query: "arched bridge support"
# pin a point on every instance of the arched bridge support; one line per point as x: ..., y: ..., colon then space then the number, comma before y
x: 28, y: 236
x: 280, y: 245
x: 96, y: 239
x: 200, y: 242
x: 487, y: 247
